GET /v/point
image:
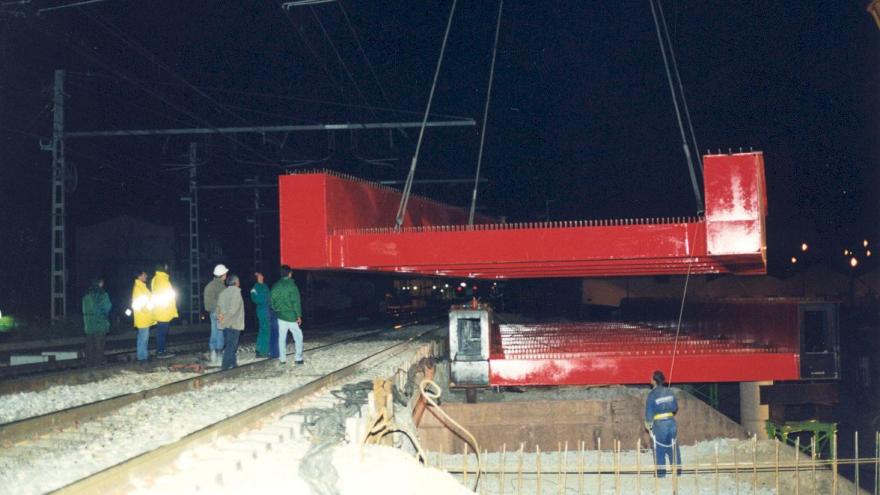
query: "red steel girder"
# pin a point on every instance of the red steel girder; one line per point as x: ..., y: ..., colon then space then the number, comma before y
x: 330, y: 222
x: 625, y: 353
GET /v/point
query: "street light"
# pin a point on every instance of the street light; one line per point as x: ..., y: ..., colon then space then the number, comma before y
x: 853, y: 262
x: 804, y: 246
x: 865, y: 243
x: 868, y: 253
x: 846, y: 252
x: 793, y: 260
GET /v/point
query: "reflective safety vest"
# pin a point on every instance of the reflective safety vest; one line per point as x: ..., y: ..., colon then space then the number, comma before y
x: 164, y: 298
x: 142, y: 305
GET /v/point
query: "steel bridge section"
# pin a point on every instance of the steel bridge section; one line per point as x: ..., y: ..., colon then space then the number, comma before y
x: 334, y: 222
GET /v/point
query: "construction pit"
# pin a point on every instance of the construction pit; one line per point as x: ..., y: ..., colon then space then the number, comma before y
x: 593, y: 440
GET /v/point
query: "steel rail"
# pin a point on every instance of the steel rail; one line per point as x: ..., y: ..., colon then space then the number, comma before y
x: 118, y: 478
x: 27, y: 428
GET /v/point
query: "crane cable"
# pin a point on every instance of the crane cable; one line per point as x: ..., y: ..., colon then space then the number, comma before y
x: 687, y: 112
x: 407, y: 188
x: 681, y: 309
x: 485, y: 114
x: 684, y: 143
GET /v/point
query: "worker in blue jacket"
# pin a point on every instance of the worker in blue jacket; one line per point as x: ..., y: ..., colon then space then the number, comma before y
x: 660, y: 409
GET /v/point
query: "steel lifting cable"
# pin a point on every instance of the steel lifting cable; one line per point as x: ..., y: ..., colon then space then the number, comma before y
x: 486, y: 114
x: 407, y: 188
x: 687, y: 112
x: 681, y: 309
x: 684, y: 142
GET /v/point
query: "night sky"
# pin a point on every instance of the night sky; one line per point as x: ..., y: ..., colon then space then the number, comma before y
x: 581, y: 114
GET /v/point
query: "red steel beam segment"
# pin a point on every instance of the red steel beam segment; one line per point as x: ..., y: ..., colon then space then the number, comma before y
x: 612, y: 370
x: 330, y: 222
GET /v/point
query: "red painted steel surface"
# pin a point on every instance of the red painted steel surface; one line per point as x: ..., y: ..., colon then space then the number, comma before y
x: 622, y: 353
x: 330, y: 222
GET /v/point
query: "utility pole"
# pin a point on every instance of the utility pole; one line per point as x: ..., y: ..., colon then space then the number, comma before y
x: 58, y: 275
x: 195, y: 300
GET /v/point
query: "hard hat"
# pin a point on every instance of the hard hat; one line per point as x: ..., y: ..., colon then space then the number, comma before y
x: 220, y: 270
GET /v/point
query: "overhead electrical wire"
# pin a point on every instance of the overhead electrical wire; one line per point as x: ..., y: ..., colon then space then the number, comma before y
x: 131, y: 80
x: 369, y: 64
x: 311, y: 49
x: 485, y: 114
x: 274, y: 96
x: 407, y: 188
x: 342, y: 63
x: 115, y: 31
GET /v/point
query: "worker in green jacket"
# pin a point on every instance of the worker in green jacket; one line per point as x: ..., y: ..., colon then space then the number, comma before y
x: 96, y: 321
x: 260, y: 297
x: 286, y: 304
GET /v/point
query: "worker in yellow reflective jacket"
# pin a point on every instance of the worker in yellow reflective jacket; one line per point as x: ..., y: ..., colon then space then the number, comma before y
x: 164, y: 306
x: 142, y: 312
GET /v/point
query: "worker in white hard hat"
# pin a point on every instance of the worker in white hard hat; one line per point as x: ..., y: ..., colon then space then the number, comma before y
x: 212, y: 293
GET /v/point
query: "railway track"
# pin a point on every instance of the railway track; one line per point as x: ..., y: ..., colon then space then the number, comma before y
x: 160, y: 378
x: 96, y: 433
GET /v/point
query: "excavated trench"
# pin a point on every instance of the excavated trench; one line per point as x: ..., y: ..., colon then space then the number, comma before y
x: 551, y: 416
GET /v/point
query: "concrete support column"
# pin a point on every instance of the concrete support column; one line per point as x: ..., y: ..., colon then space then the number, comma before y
x: 753, y: 416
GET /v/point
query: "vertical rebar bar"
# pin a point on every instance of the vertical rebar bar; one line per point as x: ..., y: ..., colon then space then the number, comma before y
x: 639, y: 465
x: 776, y: 464
x: 675, y: 459
x: 480, y: 481
x: 519, y: 480
x: 755, y: 464
x: 564, y: 471
x: 834, y: 463
x: 877, y: 463
x: 735, y: 469
x: 856, y: 447
x: 503, y: 469
x: 617, y: 468
x: 580, y: 463
x: 797, y: 467
x: 599, y: 466
x: 813, y: 457
x: 538, y: 468
x: 717, y: 479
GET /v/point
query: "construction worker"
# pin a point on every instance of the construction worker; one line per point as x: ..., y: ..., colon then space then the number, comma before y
x: 260, y: 297
x: 164, y: 306
x: 212, y: 292
x: 96, y: 311
x: 142, y: 312
x: 230, y: 318
x: 660, y: 409
x: 286, y: 304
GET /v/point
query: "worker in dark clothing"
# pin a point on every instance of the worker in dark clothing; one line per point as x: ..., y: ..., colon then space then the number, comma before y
x: 273, y: 335
x: 660, y: 409
x: 260, y: 298
x: 96, y: 311
x: 285, y: 301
